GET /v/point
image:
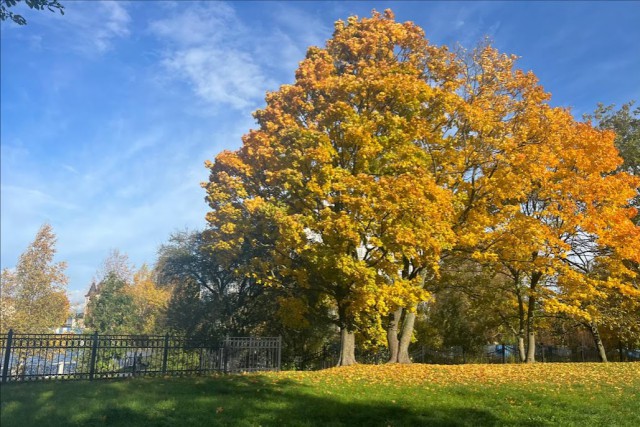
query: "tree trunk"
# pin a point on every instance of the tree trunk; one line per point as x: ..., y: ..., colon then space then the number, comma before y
x: 602, y: 354
x: 620, y: 351
x: 347, y: 347
x: 521, y: 348
x: 521, y: 320
x: 531, y: 347
x: 405, y: 339
x: 392, y: 335
x: 531, y: 336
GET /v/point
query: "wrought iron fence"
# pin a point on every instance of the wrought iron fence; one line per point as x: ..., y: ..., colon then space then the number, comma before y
x: 498, y: 353
x: 28, y: 357
x: 504, y: 353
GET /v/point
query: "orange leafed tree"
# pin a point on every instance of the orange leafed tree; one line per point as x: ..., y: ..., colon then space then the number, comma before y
x: 338, y: 181
x: 540, y: 192
x: 388, y: 153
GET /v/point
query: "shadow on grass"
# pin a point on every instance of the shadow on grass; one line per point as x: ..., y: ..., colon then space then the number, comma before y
x: 225, y: 401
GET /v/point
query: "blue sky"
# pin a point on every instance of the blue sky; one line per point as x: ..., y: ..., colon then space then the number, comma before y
x: 108, y: 112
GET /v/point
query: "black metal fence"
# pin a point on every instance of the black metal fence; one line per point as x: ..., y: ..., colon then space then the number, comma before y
x: 498, y: 353
x: 504, y: 353
x: 29, y: 357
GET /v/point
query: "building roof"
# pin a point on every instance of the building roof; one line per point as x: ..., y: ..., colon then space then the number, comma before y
x: 92, y: 290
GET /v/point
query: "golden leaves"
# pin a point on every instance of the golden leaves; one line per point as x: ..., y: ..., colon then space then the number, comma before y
x: 387, y: 151
x: 553, y: 375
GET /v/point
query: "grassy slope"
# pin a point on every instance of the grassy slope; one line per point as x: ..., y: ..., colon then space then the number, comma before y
x: 550, y: 394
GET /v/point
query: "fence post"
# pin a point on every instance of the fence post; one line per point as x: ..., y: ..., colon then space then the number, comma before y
x: 165, y: 354
x: 279, y: 351
x: 7, y: 356
x: 94, y: 351
x: 225, y: 353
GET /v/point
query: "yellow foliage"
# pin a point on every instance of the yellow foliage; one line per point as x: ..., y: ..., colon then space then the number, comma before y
x: 388, y: 151
x: 150, y: 301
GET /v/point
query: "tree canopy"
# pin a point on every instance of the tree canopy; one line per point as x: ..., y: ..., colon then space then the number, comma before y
x: 389, y: 154
x: 32, y: 297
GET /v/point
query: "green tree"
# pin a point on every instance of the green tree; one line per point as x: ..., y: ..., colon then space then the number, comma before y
x: 6, y: 14
x: 113, y: 310
x: 212, y: 297
x: 625, y: 122
x: 32, y: 297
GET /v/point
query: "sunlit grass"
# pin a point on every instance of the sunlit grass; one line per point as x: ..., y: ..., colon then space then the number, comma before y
x: 531, y: 395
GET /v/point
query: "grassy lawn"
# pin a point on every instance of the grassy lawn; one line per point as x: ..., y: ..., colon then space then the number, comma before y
x: 390, y: 395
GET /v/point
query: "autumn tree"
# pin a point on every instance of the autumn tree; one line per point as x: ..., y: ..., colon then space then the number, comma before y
x: 569, y: 205
x: 150, y: 302
x: 33, y: 298
x: 620, y: 308
x: 531, y: 184
x: 337, y: 182
x: 387, y: 153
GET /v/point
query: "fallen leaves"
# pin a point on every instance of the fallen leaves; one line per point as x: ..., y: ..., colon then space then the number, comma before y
x: 556, y: 376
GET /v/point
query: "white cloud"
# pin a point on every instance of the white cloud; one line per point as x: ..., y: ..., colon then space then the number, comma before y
x: 220, y: 76
x: 89, y: 28
x: 33, y: 200
x: 208, y: 49
x: 114, y: 21
x: 197, y: 25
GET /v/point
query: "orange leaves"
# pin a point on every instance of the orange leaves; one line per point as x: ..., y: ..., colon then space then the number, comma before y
x: 338, y: 172
x: 559, y: 375
x: 387, y: 151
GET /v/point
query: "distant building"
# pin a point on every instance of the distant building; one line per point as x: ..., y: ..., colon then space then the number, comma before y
x: 93, y: 293
x: 73, y: 325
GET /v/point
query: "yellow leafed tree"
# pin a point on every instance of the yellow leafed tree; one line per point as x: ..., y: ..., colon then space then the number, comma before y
x: 32, y: 297
x: 338, y: 181
x: 388, y: 153
x: 540, y: 191
x: 150, y: 301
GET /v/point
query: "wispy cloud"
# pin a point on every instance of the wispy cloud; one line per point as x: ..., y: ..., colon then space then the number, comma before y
x: 207, y: 50
x: 88, y: 28
x: 96, y: 25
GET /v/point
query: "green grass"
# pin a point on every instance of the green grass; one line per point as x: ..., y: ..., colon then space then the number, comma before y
x: 472, y: 395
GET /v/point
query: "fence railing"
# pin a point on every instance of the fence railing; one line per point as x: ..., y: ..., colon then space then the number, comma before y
x: 328, y: 356
x: 28, y: 357
x: 504, y: 353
